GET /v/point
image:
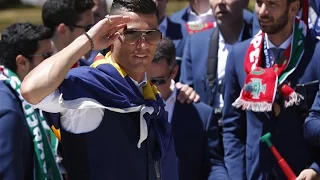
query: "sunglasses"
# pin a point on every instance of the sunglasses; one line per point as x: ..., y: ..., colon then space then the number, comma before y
x: 86, y: 28
x: 151, y: 36
x: 160, y: 80
x: 44, y: 55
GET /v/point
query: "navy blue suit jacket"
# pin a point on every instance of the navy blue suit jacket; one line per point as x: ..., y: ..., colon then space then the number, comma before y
x: 196, y: 139
x: 255, y: 24
x: 194, y: 62
x: 182, y: 16
x: 16, y: 147
x: 177, y: 33
x: 245, y: 156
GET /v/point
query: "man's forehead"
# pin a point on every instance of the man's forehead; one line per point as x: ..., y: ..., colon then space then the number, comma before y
x: 45, y: 45
x: 141, y: 21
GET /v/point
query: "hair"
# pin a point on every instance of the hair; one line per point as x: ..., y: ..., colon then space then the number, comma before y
x: 55, y: 12
x: 136, y: 6
x: 165, y: 51
x: 21, y: 39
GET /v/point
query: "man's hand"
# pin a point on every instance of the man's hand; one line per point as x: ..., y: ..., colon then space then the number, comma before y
x: 187, y: 93
x: 308, y: 174
x: 105, y: 32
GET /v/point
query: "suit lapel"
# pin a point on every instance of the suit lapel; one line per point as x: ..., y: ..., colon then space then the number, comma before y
x: 247, y: 31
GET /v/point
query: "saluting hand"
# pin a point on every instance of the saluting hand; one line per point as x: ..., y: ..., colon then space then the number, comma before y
x: 105, y: 32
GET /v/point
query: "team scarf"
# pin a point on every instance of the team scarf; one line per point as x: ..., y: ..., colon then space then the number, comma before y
x: 261, y: 84
x: 106, y: 85
x: 194, y: 27
x: 45, y: 166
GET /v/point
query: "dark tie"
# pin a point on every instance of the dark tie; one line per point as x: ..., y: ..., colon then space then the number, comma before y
x: 275, y: 54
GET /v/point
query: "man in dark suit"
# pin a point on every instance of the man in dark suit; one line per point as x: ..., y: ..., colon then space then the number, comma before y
x: 231, y: 29
x: 261, y: 97
x: 313, y: 19
x: 68, y: 19
x: 200, y: 11
x: 198, y: 151
x: 175, y: 31
x: 23, y: 46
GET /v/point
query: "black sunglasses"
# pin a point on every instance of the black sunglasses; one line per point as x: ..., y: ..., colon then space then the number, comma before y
x: 44, y: 55
x: 151, y: 36
x: 160, y: 80
x: 86, y: 28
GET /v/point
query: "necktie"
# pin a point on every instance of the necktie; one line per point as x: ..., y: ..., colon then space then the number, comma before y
x: 275, y: 54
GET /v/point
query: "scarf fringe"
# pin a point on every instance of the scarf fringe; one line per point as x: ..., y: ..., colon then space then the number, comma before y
x: 293, y: 98
x: 252, y: 106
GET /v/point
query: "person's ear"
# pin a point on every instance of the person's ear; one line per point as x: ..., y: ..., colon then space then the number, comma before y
x: 23, y: 65
x: 175, y: 71
x: 63, y: 29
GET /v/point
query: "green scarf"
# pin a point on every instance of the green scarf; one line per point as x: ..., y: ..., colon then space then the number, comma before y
x: 45, y: 165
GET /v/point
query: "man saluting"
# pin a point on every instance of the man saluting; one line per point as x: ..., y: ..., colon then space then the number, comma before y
x: 113, y: 123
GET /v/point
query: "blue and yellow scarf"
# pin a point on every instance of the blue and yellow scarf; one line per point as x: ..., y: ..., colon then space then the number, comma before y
x: 106, y: 85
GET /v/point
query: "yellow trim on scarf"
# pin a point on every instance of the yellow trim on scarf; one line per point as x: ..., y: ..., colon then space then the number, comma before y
x: 149, y: 91
x: 56, y: 132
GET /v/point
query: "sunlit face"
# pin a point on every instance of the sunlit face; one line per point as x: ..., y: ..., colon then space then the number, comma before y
x: 86, y: 20
x: 136, y: 57
x: 161, y: 72
x: 44, y: 51
x: 227, y: 10
x: 26, y: 63
x: 274, y: 15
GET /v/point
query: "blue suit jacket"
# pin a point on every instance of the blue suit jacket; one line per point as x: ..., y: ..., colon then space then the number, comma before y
x: 182, y: 16
x: 16, y: 147
x: 177, y: 33
x: 198, y: 147
x: 245, y: 156
x: 194, y: 62
x: 255, y: 24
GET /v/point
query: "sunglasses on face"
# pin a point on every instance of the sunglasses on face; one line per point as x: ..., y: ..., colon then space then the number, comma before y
x: 86, y: 28
x: 160, y: 80
x: 151, y: 36
x: 44, y: 55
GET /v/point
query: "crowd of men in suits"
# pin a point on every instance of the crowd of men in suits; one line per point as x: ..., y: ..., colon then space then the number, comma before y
x: 229, y: 79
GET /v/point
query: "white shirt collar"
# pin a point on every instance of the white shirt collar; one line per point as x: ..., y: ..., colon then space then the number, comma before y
x: 191, y: 12
x: 163, y: 25
x: 284, y: 45
x: 173, y: 95
x: 142, y: 83
x: 171, y: 101
x: 204, y: 17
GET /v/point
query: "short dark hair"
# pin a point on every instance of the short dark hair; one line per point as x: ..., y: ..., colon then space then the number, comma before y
x: 21, y: 39
x: 55, y: 12
x: 165, y: 51
x: 136, y: 6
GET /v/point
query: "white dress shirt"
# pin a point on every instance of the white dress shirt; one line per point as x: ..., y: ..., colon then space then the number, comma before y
x: 77, y: 120
x: 201, y: 18
x: 171, y: 101
x: 223, y: 52
x: 284, y: 45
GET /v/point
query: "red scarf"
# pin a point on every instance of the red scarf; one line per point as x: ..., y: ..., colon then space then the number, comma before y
x: 261, y: 84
